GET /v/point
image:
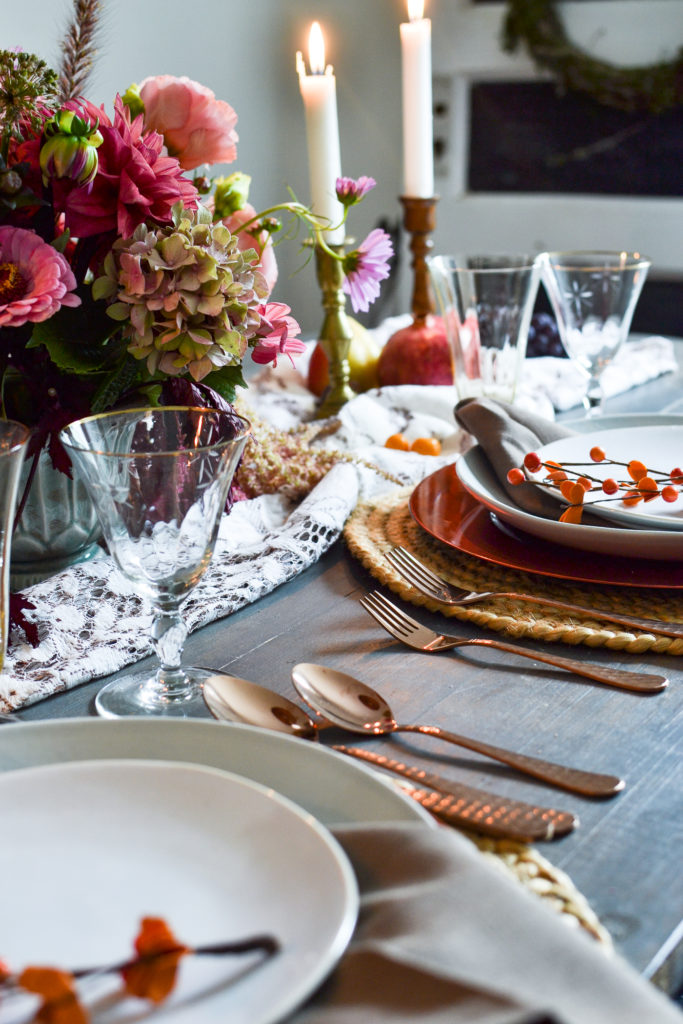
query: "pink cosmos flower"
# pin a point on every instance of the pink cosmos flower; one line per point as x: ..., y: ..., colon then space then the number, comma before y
x: 262, y: 242
x: 134, y: 181
x: 352, y: 190
x: 197, y: 128
x: 365, y: 267
x: 276, y: 334
x: 35, y: 279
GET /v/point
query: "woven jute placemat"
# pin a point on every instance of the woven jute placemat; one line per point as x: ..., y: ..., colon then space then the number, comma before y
x: 532, y: 870
x: 377, y: 526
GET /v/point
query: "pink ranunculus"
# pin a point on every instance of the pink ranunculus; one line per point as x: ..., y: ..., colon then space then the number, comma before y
x: 35, y: 279
x: 262, y: 242
x: 135, y: 182
x: 197, y: 128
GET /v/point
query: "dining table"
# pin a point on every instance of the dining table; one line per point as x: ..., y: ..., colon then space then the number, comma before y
x: 624, y: 859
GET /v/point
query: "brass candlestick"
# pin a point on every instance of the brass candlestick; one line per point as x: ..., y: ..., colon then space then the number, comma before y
x: 335, y: 333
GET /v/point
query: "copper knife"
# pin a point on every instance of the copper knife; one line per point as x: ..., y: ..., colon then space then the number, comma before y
x: 474, y: 809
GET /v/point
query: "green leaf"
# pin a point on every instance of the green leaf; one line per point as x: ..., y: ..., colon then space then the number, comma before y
x: 125, y: 377
x: 225, y: 381
x: 80, y: 340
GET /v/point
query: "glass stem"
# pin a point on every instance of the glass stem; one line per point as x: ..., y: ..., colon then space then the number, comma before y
x: 168, y: 636
x: 593, y: 397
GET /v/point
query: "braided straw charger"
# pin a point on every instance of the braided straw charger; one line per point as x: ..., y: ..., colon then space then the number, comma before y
x: 377, y: 526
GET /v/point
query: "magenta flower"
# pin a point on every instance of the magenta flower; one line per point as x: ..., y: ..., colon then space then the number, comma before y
x: 35, y: 279
x: 365, y: 267
x: 276, y: 334
x: 135, y: 182
x: 351, y: 190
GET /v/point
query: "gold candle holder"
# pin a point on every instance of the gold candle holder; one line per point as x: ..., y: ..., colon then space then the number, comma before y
x: 335, y: 333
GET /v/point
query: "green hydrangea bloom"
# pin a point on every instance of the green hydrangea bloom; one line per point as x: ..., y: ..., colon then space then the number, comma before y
x: 187, y: 296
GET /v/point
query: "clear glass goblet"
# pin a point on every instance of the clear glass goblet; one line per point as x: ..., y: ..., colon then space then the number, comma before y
x: 159, y: 480
x: 593, y: 296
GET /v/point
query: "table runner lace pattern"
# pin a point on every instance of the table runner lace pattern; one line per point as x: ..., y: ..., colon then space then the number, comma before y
x: 92, y: 623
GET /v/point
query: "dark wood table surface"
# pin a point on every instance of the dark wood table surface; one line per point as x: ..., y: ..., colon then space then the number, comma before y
x: 626, y: 855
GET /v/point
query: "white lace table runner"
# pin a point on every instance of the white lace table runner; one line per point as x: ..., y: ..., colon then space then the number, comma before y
x: 90, y: 621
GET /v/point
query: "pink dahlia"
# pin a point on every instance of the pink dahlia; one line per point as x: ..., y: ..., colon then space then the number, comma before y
x: 365, y: 267
x: 197, y: 128
x: 35, y: 279
x: 276, y: 334
x: 135, y: 182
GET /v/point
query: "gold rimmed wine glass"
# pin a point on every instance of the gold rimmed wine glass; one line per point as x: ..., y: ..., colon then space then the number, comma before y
x: 159, y: 480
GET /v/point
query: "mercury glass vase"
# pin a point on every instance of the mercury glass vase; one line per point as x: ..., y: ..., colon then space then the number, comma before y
x: 58, y: 525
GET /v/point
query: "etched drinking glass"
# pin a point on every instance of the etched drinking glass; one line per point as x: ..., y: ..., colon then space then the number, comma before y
x: 159, y: 480
x: 13, y: 440
x: 486, y: 302
x: 593, y: 296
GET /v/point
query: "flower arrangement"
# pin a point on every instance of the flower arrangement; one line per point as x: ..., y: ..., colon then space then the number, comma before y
x: 125, y: 273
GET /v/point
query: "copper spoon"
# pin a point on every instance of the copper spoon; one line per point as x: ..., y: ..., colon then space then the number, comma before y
x: 347, y: 702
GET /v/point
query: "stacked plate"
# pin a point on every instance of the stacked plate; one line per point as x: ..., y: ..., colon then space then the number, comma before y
x: 106, y: 822
x: 467, y: 507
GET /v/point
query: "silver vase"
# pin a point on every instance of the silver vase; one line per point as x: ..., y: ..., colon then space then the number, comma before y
x: 58, y: 525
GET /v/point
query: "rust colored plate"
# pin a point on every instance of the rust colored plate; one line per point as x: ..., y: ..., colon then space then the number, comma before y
x: 442, y: 507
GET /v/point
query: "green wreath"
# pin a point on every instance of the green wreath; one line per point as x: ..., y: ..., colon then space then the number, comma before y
x: 536, y: 23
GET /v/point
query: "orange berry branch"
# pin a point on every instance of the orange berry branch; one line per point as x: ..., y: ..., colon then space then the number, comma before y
x: 643, y: 484
x: 150, y: 974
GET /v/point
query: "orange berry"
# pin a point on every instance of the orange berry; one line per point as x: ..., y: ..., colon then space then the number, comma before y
x: 532, y: 462
x: 610, y: 486
x: 669, y: 493
x: 648, y: 487
x: 636, y: 470
x: 515, y: 476
x: 426, y: 446
x: 632, y: 498
x: 572, y: 514
x: 597, y: 454
x: 676, y: 476
x: 399, y: 442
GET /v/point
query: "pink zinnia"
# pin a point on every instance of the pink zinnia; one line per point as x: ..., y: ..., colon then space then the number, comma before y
x: 365, y: 267
x: 134, y: 181
x: 276, y: 334
x: 35, y: 279
x: 351, y: 190
x: 197, y: 128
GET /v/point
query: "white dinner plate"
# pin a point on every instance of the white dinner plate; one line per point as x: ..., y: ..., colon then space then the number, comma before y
x: 330, y: 786
x: 660, y: 448
x: 476, y: 475
x: 92, y: 847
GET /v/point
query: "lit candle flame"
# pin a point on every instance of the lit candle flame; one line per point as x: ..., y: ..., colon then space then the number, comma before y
x: 415, y: 10
x: 316, y: 50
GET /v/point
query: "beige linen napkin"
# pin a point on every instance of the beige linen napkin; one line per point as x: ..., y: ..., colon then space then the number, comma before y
x: 506, y: 433
x: 444, y: 937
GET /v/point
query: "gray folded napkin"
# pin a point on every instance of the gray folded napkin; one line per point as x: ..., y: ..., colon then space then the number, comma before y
x: 445, y: 937
x: 506, y: 433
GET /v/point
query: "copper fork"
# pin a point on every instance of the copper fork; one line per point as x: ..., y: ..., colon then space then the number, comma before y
x: 433, y: 586
x: 421, y: 638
